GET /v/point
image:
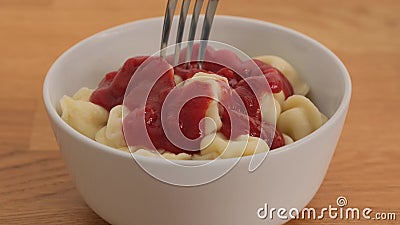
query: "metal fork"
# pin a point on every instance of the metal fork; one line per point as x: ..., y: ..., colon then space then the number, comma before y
x: 208, y: 20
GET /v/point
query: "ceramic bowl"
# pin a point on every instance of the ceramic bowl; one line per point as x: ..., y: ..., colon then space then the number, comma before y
x: 119, y: 191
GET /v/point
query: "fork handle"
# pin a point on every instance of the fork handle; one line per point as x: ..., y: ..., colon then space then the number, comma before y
x: 205, y: 33
x: 169, y: 15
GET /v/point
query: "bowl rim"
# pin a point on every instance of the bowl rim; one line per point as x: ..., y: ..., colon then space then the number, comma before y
x: 56, y: 118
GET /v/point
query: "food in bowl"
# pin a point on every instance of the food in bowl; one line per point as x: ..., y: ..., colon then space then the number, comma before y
x: 242, y: 119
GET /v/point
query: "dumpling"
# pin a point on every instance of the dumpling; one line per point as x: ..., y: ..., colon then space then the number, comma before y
x: 177, y: 79
x: 83, y: 94
x: 267, y: 103
x: 288, y: 140
x: 180, y: 156
x: 112, y: 134
x: 213, y: 121
x: 299, y: 117
x: 166, y: 155
x: 299, y: 87
x: 280, y: 97
x: 207, y: 156
x: 145, y: 152
x: 85, y: 117
x: 243, y: 145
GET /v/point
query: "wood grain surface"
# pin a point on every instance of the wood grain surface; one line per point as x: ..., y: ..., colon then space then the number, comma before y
x: 35, y: 187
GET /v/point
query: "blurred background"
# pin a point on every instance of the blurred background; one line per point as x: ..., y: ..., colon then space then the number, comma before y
x: 34, y: 184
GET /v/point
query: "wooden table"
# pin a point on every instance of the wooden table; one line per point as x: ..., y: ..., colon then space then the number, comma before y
x: 34, y: 184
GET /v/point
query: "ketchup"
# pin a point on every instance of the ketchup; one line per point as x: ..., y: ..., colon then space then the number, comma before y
x: 111, y: 89
x: 277, y: 81
x: 168, y: 101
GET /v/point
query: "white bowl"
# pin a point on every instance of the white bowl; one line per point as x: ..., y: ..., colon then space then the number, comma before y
x: 118, y: 190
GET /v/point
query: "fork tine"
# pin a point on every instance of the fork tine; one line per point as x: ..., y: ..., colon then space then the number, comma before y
x: 169, y: 15
x: 192, y: 32
x: 205, y: 33
x: 181, y: 28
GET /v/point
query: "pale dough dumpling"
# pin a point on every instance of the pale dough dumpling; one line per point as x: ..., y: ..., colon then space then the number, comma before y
x: 177, y: 79
x: 166, y: 155
x: 83, y: 94
x: 180, y: 156
x: 85, y: 117
x: 213, y: 121
x: 280, y: 98
x: 299, y: 87
x: 208, y: 156
x: 112, y: 134
x: 145, y: 152
x: 288, y: 140
x: 243, y: 145
x: 269, y: 102
x: 299, y: 117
